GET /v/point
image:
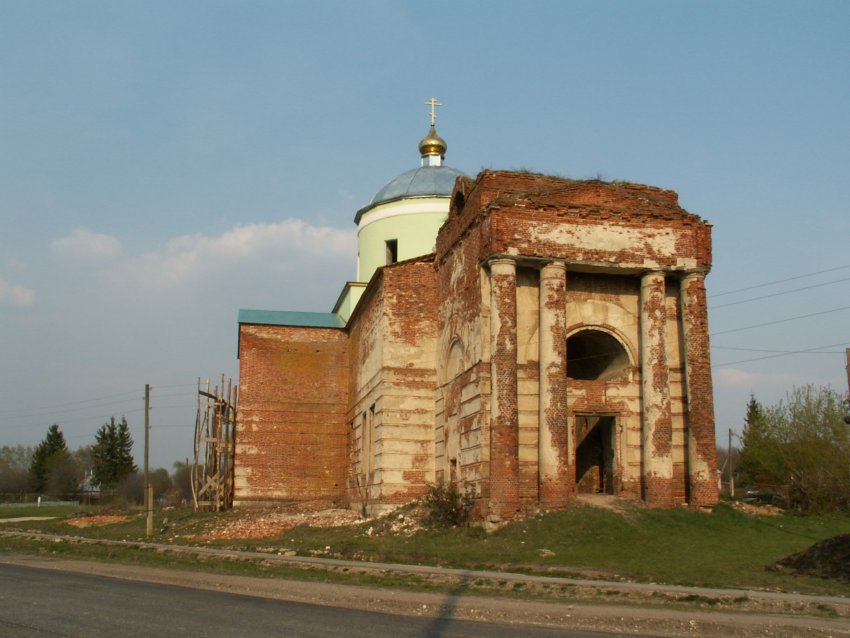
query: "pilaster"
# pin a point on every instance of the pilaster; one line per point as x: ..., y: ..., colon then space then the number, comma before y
x: 655, y: 390
x: 554, y: 458
x: 702, y: 456
x: 504, y: 415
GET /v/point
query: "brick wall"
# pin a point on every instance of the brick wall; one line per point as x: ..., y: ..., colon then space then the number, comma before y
x: 463, y: 294
x: 291, y: 439
x: 393, y: 335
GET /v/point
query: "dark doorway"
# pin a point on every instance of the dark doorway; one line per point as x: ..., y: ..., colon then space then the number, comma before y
x: 595, y: 454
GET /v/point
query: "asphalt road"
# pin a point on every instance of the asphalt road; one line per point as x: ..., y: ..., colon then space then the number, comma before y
x: 41, y: 603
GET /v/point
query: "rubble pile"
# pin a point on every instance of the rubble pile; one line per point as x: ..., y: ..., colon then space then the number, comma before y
x: 267, y: 523
x: 396, y: 525
x: 756, y: 509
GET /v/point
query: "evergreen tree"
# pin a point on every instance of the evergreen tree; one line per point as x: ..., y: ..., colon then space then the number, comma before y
x: 50, y: 453
x: 755, y: 444
x: 112, y: 454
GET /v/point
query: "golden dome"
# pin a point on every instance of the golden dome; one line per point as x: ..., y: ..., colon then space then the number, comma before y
x: 433, y: 144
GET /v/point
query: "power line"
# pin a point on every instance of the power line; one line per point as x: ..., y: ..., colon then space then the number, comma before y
x: 70, y: 403
x: 771, y: 356
x: 172, y: 406
x: 818, y: 350
x: 61, y: 408
x: 40, y: 414
x: 176, y: 385
x: 778, y: 321
x: 777, y: 281
x: 778, y: 294
x: 80, y: 419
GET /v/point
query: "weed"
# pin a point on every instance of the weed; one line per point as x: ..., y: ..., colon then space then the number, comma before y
x: 445, y: 506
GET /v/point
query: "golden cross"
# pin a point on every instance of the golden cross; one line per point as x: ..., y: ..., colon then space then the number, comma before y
x: 433, y: 103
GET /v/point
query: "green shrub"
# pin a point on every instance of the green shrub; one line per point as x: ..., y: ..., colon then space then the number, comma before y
x: 445, y: 506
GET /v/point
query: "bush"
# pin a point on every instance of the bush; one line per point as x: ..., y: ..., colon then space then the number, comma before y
x: 801, y: 447
x: 445, y: 506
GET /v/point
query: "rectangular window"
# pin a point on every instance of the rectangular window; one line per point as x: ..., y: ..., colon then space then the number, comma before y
x: 367, y: 442
x: 392, y: 251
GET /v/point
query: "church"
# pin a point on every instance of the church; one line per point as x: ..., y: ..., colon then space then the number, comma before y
x: 525, y: 337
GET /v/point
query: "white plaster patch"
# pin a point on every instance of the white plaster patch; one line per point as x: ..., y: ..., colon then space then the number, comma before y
x: 661, y: 241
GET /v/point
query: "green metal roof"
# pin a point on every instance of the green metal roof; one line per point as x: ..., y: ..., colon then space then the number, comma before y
x: 288, y: 318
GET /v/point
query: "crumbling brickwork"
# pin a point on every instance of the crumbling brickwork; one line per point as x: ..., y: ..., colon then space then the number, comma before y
x: 635, y: 428
x: 392, y: 385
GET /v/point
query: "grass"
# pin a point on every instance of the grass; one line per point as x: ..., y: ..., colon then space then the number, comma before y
x: 725, y: 548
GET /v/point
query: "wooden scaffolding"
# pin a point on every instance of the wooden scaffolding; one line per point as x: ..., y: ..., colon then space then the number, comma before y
x: 215, y: 426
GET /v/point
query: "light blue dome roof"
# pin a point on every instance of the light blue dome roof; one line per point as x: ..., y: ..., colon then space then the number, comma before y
x: 425, y: 181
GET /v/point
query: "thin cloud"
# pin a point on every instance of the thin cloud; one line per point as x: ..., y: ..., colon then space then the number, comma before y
x: 286, y: 244
x: 737, y: 378
x: 84, y: 244
x: 15, y: 294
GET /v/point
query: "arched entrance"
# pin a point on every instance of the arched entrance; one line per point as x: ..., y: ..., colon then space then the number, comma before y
x: 595, y: 356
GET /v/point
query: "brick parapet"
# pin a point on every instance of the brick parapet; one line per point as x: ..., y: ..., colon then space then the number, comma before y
x: 517, y: 210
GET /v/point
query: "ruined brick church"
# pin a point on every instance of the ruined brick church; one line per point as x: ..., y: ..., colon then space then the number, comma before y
x: 526, y: 337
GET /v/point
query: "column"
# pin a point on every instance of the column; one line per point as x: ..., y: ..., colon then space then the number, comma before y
x: 655, y: 389
x: 504, y: 415
x: 702, y: 453
x: 556, y: 474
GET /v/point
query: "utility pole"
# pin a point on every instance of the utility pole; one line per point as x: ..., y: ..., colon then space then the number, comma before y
x: 729, y: 464
x: 847, y: 367
x: 148, y: 486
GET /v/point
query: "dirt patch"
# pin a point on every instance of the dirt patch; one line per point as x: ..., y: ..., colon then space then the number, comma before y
x: 605, y: 501
x: 829, y: 558
x: 93, y: 521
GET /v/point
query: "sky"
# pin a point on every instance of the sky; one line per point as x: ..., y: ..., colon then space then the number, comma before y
x: 165, y: 163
